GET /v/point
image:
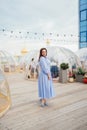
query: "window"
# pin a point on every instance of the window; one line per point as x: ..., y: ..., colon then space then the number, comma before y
x: 83, y: 7
x: 83, y: 28
x: 83, y: 2
x: 82, y: 45
x: 83, y: 37
x: 83, y: 23
x: 83, y: 15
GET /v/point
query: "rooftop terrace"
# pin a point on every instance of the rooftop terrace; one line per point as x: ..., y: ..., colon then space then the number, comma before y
x: 67, y: 111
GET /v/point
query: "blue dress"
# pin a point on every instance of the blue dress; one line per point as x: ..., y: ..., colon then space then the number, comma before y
x: 45, y: 86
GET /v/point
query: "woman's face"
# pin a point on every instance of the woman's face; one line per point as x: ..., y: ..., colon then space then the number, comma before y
x: 44, y: 52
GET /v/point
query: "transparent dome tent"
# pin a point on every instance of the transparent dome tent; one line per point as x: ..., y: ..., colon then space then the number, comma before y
x: 7, y: 61
x: 56, y: 54
x: 5, y: 99
x: 82, y: 54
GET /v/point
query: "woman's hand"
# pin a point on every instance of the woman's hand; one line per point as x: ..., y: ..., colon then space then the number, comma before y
x: 49, y: 77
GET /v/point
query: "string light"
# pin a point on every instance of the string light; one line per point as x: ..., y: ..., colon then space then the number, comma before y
x: 39, y: 36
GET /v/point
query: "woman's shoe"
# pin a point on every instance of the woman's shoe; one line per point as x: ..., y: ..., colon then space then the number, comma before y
x: 42, y: 105
x: 45, y: 104
x: 40, y: 100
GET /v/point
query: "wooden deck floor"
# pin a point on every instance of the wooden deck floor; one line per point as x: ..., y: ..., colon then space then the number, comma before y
x: 67, y: 111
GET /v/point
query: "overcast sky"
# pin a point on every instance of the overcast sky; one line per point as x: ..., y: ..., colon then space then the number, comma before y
x: 45, y: 16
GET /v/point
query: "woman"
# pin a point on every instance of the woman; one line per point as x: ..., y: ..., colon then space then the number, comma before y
x: 45, y: 84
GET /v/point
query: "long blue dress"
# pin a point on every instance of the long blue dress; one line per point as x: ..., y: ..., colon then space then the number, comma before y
x: 45, y: 86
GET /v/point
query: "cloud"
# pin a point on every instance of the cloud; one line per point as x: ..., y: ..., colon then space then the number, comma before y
x: 51, y: 14
x: 45, y: 16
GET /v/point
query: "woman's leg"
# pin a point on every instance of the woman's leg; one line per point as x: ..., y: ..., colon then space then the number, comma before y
x: 43, y: 102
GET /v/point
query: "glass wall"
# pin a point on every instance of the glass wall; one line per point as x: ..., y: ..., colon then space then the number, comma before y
x: 83, y: 23
x: 5, y: 99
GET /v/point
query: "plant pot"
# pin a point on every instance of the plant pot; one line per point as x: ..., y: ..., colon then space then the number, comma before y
x: 79, y: 78
x: 71, y: 80
x: 85, y: 80
x: 63, y: 76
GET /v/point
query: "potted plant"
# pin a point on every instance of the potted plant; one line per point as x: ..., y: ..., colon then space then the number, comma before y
x: 71, y: 77
x: 64, y: 66
x: 85, y: 78
x: 63, y: 72
x: 80, y: 74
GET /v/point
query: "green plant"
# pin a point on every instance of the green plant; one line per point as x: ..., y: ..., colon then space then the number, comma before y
x: 80, y: 71
x: 64, y: 66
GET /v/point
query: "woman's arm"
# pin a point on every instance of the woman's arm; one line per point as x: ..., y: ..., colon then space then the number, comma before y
x: 44, y: 66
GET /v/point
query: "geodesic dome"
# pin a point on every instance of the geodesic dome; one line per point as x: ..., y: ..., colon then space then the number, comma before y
x: 56, y: 54
x: 6, y: 60
x: 5, y: 99
x: 82, y: 54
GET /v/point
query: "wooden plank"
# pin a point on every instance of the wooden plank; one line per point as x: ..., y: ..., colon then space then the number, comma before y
x: 67, y: 111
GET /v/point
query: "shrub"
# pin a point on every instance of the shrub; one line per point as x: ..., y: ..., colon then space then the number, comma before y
x: 64, y: 66
x: 80, y: 71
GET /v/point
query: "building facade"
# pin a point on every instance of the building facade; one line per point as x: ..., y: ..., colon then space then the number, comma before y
x: 83, y: 23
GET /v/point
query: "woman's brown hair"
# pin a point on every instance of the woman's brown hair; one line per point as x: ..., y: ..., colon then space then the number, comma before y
x: 41, y: 52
